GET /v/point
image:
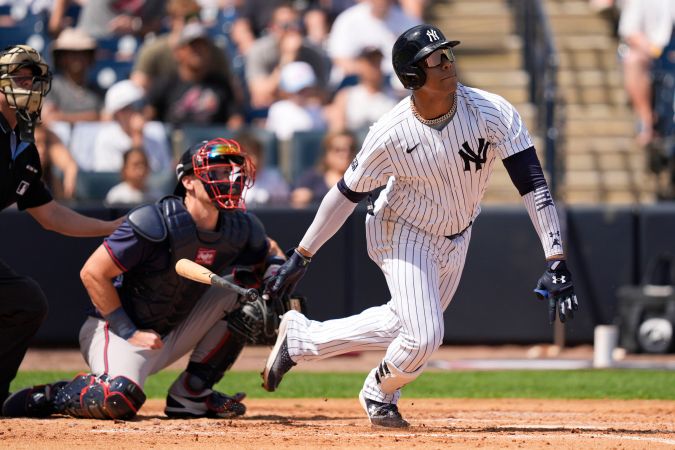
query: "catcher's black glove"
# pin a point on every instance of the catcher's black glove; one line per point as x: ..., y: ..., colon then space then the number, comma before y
x: 556, y: 286
x: 290, y: 273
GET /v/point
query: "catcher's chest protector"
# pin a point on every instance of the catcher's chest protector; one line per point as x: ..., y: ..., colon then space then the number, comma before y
x: 161, y: 300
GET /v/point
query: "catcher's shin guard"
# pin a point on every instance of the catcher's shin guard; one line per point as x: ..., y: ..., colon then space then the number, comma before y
x: 102, y: 397
x: 203, y: 375
x: 36, y: 401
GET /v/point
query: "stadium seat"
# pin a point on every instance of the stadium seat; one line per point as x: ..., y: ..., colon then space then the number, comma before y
x: 93, y: 186
x: 163, y: 182
x: 305, y: 149
x: 107, y: 72
x: 28, y: 30
x: 117, y: 48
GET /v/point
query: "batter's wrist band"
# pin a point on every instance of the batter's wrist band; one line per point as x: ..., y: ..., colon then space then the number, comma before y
x: 305, y: 259
x: 121, y: 324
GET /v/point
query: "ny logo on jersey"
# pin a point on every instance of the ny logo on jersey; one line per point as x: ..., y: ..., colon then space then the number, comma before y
x: 478, y: 158
x: 561, y: 279
x: 432, y: 35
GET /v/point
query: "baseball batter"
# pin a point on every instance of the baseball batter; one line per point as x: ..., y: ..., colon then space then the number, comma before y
x: 435, y: 152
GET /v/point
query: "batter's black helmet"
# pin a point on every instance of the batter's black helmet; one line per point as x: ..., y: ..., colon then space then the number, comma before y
x: 412, y: 47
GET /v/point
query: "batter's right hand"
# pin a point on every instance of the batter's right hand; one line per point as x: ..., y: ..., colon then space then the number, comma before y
x: 288, y: 276
x: 146, y: 339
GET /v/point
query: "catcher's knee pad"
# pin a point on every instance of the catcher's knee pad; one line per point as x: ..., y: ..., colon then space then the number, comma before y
x: 391, y: 379
x: 102, y: 397
x: 124, y: 398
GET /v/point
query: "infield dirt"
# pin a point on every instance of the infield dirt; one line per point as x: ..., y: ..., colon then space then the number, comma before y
x: 316, y: 423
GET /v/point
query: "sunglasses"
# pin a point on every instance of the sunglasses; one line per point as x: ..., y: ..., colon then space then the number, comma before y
x: 436, y: 58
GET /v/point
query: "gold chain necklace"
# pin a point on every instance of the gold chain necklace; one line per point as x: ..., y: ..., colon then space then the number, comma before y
x: 448, y: 115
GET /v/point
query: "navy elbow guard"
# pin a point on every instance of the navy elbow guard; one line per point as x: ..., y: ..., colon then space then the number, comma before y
x: 525, y: 171
x: 351, y: 195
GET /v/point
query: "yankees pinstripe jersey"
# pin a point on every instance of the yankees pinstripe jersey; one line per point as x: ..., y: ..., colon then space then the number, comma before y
x: 435, y: 179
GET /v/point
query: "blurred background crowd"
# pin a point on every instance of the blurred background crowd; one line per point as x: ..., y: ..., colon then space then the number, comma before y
x: 298, y: 83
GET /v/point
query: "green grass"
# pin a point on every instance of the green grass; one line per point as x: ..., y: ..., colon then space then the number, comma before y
x: 567, y: 384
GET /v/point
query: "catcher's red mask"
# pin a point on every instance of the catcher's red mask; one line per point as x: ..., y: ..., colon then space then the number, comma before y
x: 225, y: 171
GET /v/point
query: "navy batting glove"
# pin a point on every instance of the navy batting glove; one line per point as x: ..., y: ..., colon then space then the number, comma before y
x: 555, y: 285
x: 288, y: 276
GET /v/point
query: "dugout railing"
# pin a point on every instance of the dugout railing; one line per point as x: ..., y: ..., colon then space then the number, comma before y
x: 541, y: 64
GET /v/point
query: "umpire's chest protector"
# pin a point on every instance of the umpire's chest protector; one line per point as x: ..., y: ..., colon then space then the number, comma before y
x: 160, y: 300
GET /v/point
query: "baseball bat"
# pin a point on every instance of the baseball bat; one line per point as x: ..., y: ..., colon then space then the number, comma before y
x: 196, y: 272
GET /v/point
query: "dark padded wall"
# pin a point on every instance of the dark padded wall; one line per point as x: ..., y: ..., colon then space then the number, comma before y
x: 494, y: 304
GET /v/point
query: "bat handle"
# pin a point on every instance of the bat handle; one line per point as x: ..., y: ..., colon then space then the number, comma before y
x: 249, y: 294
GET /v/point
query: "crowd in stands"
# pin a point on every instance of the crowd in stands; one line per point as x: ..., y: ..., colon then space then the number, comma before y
x: 647, y: 51
x: 135, y: 82
x: 156, y: 75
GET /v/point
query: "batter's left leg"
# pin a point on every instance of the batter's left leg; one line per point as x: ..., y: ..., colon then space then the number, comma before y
x: 422, y: 286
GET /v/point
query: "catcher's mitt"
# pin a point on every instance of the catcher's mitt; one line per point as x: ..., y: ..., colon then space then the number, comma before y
x: 257, y: 322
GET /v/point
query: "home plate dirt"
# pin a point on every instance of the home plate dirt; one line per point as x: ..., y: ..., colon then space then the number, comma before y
x: 315, y: 423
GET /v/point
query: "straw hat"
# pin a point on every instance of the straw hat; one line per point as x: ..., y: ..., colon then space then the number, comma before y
x: 74, y: 39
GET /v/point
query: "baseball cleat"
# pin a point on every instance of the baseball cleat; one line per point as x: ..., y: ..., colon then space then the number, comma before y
x: 36, y: 401
x: 279, y: 362
x: 382, y: 414
x: 212, y: 404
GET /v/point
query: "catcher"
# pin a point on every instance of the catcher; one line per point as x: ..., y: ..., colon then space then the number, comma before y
x: 146, y: 316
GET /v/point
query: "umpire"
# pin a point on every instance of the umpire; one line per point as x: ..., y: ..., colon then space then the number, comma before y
x: 24, y: 80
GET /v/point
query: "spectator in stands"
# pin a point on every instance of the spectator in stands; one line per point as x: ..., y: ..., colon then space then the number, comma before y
x: 357, y: 107
x: 195, y: 94
x: 59, y: 169
x: 339, y: 151
x: 370, y: 23
x: 257, y: 14
x: 645, y: 28
x: 73, y: 98
x: 317, y: 26
x: 284, y: 43
x: 129, y: 129
x: 414, y: 8
x: 58, y: 19
x: 133, y: 188
x: 301, y: 108
x: 109, y: 18
x: 156, y: 58
x: 270, y: 187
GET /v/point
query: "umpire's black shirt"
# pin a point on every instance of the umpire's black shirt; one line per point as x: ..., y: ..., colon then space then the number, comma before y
x: 20, y: 171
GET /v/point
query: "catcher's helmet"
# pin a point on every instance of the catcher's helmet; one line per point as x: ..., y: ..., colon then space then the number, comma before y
x: 225, y: 171
x: 24, y: 91
x: 412, y: 47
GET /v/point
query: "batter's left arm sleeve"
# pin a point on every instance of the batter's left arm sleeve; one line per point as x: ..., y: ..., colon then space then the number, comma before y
x: 332, y: 214
x: 528, y: 177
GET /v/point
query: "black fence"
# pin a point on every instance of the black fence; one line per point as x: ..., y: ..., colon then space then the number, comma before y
x: 608, y: 247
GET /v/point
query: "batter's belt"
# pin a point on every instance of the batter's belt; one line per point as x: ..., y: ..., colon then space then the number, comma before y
x: 456, y: 235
